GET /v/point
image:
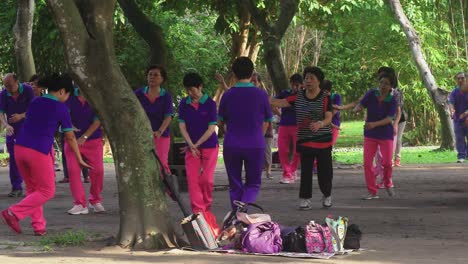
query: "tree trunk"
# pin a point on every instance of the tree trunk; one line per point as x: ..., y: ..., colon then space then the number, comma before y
x: 86, y: 28
x: 22, y: 31
x: 439, y: 96
x: 149, y: 31
x: 275, y: 66
x: 272, y: 36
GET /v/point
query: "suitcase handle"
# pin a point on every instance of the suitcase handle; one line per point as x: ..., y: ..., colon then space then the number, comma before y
x: 170, y: 187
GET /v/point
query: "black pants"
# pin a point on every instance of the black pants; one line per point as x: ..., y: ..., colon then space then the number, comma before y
x: 324, y: 170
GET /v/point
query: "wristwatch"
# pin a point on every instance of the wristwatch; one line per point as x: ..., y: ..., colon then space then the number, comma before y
x: 85, y: 137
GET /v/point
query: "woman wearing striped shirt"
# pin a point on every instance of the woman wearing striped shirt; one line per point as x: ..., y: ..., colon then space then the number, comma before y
x: 314, y: 135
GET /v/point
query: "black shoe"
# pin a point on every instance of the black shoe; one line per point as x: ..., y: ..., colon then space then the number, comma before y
x: 16, y: 193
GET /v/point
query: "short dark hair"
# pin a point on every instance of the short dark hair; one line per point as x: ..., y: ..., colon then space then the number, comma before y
x: 192, y: 79
x: 243, y: 68
x: 462, y: 73
x: 386, y: 76
x: 55, y: 82
x: 391, y: 73
x: 161, y: 69
x: 34, y: 77
x: 315, y: 71
x: 296, y: 78
x: 15, y: 78
x: 326, y: 85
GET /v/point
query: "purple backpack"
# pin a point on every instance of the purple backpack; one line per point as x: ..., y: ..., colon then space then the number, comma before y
x: 262, y: 238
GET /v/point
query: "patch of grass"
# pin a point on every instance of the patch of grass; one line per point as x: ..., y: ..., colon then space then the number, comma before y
x: 108, y: 159
x: 67, y: 239
x: 410, y: 155
x: 351, y: 134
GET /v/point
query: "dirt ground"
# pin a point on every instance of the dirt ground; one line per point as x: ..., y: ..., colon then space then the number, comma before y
x: 425, y: 223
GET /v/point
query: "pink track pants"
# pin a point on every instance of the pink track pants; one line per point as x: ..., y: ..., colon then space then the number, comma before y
x: 200, y: 180
x: 162, y: 146
x: 370, y: 149
x: 286, y: 136
x: 38, y: 174
x: 92, y: 153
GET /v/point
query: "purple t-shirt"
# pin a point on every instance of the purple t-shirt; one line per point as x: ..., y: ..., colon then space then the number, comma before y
x: 244, y: 108
x: 377, y: 111
x: 336, y: 100
x: 197, y: 119
x: 44, y: 116
x: 158, y: 109
x: 288, y: 114
x: 459, y: 100
x: 16, y: 105
x: 82, y: 115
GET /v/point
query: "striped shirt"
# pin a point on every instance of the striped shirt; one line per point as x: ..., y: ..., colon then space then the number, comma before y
x: 311, y: 110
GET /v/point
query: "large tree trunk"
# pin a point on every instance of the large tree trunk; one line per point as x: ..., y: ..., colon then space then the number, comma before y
x: 274, y: 64
x: 272, y: 36
x: 439, y: 96
x: 149, y: 31
x: 86, y: 29
x: 23, y: 35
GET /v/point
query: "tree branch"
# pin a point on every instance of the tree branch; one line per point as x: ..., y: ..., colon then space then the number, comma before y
x: 258, y: 16
x: 288, y: 9
x: 149, y: 31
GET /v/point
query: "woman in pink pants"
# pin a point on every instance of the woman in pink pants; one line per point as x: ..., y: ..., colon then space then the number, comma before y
x: 89, y: 138
x: 378, y: 133
x: 287, y: 133
x: 197, y: 122
x: 157, y: 103
x: 44, y: 115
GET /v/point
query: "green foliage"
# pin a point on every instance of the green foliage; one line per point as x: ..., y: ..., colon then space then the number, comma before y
x: 67, y: 239
x: 362, y: 35
x: 410, y: 155
x: 7, y: 21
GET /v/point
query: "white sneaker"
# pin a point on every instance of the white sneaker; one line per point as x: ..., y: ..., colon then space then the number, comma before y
x: 97, y: 207
x: 286, y: 181
x: 327, y: 201
x: 370, y: 196
x: 305, y: 204
x: 78, y: 209
x: 391, y: 192
x: 460, y: 160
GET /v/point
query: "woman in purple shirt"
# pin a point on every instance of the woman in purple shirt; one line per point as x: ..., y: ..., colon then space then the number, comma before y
x: 197, y: 123
x: 157, y: 103
x: 43, y: 117
x: 246, y: 112
x: 89, y: 137
x: 378, y: 133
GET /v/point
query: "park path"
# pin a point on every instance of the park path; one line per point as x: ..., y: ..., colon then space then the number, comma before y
x: 425, y: 223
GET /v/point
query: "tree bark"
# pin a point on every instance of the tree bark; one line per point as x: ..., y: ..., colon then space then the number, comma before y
x: 149, y: 31
x: 86, y: 28
x: 272, y: 36
x: 22, y: 31
x: 438, y: 96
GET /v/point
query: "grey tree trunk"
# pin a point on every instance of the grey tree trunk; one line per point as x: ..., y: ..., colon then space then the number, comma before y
x: 148, y: 30
x: 272, y: 36
x: 22, y: 31
x: 86, y: 29
x: 438, y: 96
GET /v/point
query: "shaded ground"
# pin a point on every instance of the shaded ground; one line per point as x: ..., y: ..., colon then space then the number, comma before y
x: 426, y: 223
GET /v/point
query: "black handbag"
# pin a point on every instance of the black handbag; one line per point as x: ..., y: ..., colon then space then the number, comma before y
x: 295, y: 241
x: 353, y: 237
